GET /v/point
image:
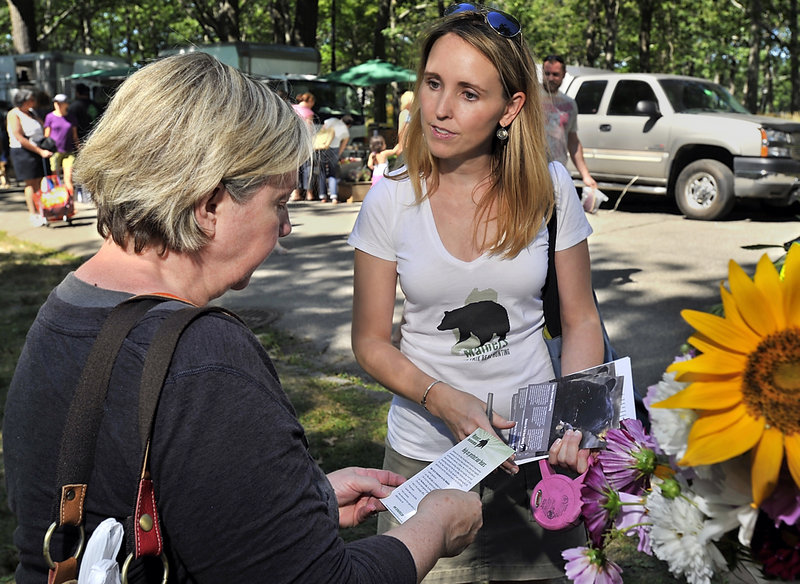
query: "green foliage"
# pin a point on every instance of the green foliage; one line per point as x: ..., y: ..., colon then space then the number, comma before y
x: 705, y: 38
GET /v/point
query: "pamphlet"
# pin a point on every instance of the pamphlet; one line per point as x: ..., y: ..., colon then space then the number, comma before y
x: 462, y: 467
x: 592, y: 401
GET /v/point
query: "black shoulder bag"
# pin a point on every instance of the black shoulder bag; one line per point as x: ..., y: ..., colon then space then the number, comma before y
x: 79, y: 439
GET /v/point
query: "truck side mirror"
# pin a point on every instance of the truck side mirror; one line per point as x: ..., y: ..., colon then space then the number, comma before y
x: 648, y: 108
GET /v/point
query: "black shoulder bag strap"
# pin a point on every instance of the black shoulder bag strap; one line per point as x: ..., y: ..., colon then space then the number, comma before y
x: 551, y: 305
x: 552, y: 313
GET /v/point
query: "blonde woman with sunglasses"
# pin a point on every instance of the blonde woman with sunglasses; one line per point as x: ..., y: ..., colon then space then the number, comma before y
x: 463, y: 230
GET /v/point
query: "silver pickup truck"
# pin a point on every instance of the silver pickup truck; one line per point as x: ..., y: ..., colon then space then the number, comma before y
x: 683, y: 137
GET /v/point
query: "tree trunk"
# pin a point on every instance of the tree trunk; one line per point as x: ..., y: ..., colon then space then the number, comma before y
x: 305, y: 23
x: 219, y: 19
x: 753, y: 58
x: 611, y: 26
x: 23, y: 25
x: 768, y: 94
x: 591, y: 45
x: 794, y: 58
x: 333, y: 35
x: 379, y: 52
x: 646, y: 8
x: 281, y: 27
x: 227, y: 18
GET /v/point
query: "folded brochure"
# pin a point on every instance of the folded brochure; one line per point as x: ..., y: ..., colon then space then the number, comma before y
x: 462, y: 467
x: 592, y: 401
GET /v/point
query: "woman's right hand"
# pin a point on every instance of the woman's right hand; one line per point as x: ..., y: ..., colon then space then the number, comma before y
x: 462, y: 412
x: 44, y: 153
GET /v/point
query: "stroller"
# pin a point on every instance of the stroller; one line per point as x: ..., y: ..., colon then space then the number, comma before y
x: 53, y: 200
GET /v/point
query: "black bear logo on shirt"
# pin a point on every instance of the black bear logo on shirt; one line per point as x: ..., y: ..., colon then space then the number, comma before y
x: 483, y: 319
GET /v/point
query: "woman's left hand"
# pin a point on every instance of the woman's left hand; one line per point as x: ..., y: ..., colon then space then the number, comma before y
x: 359, y: 490
x: 566, y: 452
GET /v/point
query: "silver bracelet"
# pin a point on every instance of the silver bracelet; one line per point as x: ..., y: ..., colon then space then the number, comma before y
x: 424, y: 399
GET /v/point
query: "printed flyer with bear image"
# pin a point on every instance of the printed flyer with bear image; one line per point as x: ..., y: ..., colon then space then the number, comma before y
x: 462, y: 467
x: 592, y: 401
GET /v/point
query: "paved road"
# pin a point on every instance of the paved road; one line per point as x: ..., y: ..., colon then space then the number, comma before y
x: 648, y: 263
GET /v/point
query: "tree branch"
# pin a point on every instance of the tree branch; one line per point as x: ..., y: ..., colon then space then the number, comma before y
x: 51, y: 26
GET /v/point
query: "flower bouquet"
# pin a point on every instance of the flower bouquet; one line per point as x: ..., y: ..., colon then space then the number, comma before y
x: 712, y: 493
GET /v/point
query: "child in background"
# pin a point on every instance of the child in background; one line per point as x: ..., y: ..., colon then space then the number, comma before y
x: 63, y: 129
x: 378, y: 157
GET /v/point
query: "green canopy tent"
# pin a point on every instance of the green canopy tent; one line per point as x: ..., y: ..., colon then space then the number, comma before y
x: 372, y: 72
x: 116, y: 74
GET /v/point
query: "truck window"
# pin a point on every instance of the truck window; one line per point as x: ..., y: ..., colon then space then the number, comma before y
x: 627, y: 94
x: 589, y: 95
x: 692, y: 95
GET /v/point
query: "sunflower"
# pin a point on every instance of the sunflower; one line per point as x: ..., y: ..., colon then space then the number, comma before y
x: 745, y: 384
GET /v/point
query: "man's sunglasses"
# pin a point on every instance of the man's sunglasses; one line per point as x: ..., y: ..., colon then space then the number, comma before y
x: 503, y: 24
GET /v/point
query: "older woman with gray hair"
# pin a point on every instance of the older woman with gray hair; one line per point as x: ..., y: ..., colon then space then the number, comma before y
x: 191, y: 168
x: 24, y: 134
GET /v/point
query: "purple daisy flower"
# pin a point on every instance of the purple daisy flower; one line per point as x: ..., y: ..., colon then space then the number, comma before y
x: 601, y: 503
x: 633, y: 518
x: 783, y: 506
x: 587, y: 565
x: 629, y: 458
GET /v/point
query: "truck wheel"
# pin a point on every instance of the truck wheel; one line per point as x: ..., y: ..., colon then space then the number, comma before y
x: 704, y: 190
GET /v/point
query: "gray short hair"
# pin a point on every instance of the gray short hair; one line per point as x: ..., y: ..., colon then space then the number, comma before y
x: 173, y: 132
x: 22, y: 95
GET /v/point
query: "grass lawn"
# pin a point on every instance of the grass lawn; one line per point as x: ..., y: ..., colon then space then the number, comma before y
x: 344, y: 416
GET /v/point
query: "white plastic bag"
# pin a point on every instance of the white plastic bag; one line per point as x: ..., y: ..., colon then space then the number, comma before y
x: 99, y: 564
x: 592, y: 199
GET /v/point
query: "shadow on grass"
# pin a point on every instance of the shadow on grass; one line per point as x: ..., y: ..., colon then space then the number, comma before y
x: 27, y: 274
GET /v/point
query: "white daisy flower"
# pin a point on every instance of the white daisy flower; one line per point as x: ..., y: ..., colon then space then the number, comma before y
x: 725, y: 496
x: 670, y: 427
x: 675, y: 538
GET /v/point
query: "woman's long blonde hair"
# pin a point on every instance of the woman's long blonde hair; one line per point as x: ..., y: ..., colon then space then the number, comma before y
x: 520, y: 194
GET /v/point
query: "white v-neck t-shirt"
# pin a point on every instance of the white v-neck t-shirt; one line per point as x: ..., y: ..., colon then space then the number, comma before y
x: 476, y: 325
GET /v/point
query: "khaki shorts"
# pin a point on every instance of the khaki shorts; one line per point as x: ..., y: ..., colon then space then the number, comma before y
x: 510, y: 545
x: 61, y: 160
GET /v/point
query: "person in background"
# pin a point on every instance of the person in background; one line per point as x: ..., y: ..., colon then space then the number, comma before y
x: 329, y: 158
x: 64, y: 131
x: 4, y: 148
x: 464, y: 230
x: 303, y: 107
x: 24, y: 134
x: 241, y: 498
x: 83, y: 110
x: 561, y: 113
x: 378, y: 160
x: 406, y: 101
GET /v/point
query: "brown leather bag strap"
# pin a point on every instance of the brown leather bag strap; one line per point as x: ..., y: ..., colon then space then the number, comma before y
x: 144, y: 531
x: 79, y: 438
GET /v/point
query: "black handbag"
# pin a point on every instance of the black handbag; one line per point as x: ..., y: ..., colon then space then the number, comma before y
x: 47, y: 143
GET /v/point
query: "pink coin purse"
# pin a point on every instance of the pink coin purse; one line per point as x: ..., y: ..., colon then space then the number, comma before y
x: 556, y: 499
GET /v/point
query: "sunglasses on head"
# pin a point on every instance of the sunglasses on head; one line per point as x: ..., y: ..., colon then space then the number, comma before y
x: 503, y: 24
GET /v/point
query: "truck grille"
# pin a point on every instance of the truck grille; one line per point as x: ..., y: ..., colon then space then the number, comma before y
x: 795, y: 147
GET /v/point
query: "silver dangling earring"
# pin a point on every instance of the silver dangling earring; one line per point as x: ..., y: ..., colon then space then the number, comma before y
x: 502, y: 134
